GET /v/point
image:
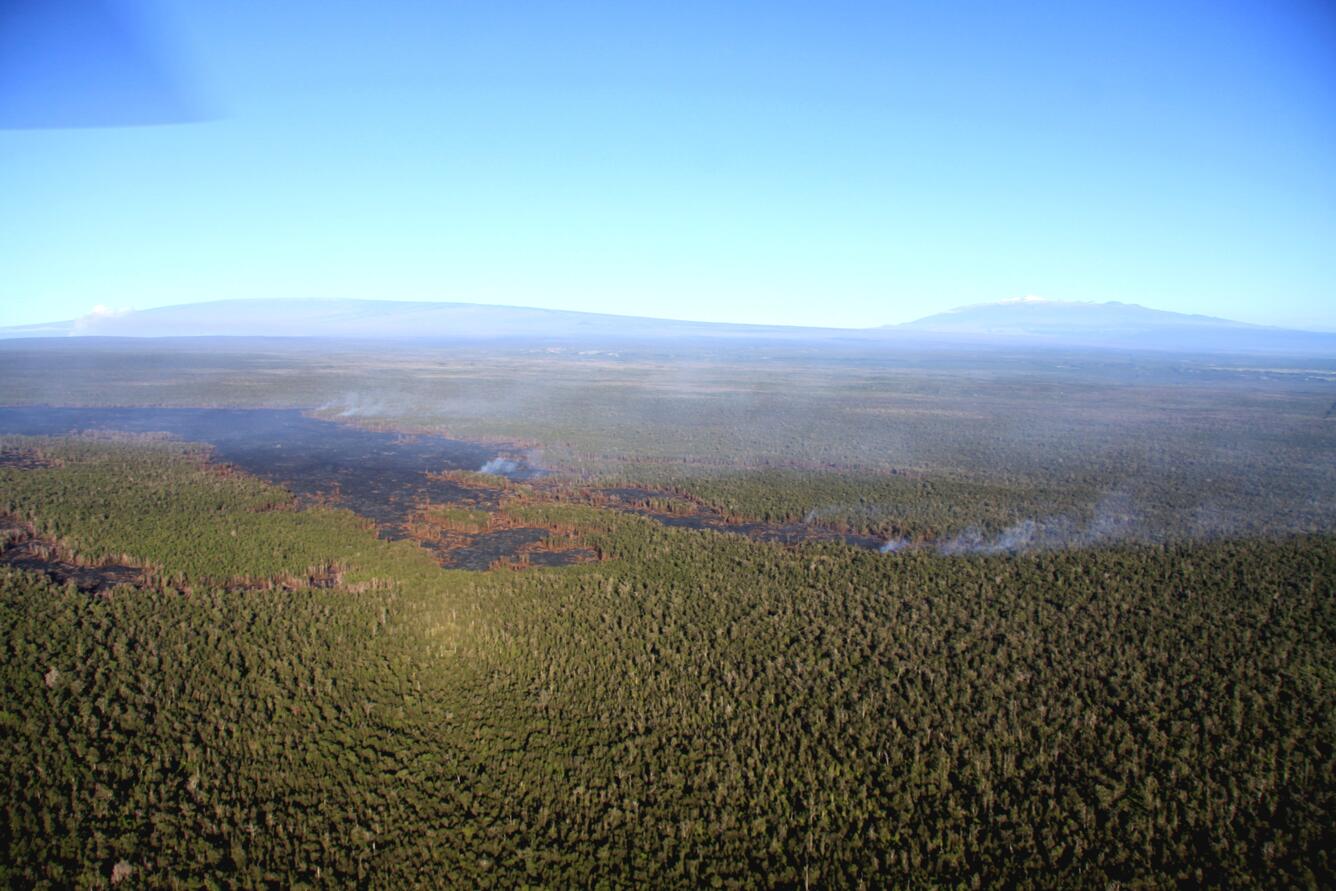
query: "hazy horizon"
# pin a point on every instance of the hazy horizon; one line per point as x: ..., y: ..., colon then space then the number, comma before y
x: 88, y: 322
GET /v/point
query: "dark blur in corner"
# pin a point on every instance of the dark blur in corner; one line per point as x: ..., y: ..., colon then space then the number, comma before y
x: 92, y: 63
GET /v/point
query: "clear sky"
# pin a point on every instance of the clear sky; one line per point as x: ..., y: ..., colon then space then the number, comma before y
x: 824, y: 163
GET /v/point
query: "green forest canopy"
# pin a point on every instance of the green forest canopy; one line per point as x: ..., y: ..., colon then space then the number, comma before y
x: 699, y: 709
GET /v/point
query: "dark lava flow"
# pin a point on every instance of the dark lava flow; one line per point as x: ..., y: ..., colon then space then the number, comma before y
x: 23, y: 550
x: 636, y: 501
x: 23, y: 459
x: 486, y: 548
x: 378, y: 475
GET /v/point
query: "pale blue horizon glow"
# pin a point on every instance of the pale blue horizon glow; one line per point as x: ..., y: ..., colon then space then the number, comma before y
x: 834, y: 164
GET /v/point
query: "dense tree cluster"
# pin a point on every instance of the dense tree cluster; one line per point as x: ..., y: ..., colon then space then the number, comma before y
x: 700, y: 709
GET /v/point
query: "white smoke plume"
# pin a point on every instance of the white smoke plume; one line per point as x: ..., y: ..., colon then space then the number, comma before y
x: 501, y: 466
x: 356, y: 405
x: 1114, y: 519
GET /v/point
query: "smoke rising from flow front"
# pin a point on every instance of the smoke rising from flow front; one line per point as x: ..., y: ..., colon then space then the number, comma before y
x: 1115, y: 519
x: 357, y: 405
x: 501, y: 466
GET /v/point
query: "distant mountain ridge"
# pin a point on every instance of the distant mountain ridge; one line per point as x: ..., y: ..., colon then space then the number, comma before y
x: 1039, y: 316
x: 376, y: 319
x: 1113, y: 324
x: 1017, y: 321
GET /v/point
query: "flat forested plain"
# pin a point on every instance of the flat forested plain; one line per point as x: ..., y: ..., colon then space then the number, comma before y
x: 1138, y: 693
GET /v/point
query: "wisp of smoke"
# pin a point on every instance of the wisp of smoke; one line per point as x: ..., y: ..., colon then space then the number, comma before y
x: 354, y: 405
x: 501, y: 466
x: 1114, y: 519
x: 1025, y: 535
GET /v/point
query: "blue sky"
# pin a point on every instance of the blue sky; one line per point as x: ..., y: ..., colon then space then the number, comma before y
x: 828, y: 163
